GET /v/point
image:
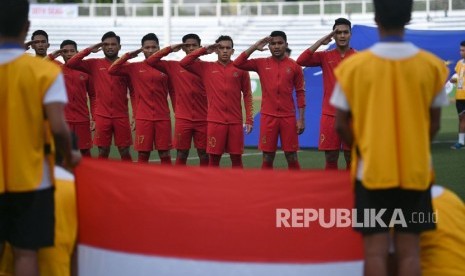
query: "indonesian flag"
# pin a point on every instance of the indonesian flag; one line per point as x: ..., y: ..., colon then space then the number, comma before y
x: 137, y: 219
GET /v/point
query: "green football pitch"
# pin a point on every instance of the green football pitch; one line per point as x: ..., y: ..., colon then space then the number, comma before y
x: 448, y: 163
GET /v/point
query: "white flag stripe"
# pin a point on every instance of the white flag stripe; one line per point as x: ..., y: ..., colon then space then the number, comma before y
x: 99, y: 262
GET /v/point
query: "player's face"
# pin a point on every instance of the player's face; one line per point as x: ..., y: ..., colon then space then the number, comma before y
x: 462, y: 51
x: 149, y: 47
x: 68, y: 51
x: 40, y: 45
x: 277, y: 46
x: 191, y: 45
x: 225, y: 51
x: 111, y: 47
x: 342, y: 35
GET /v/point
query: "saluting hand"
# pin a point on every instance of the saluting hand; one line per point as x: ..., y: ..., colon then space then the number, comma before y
x: 57, y: 53
x: 28, y: 44
x: 260, y: 45
x: 177, y: 47
x: 212, y: 48
x: 97, y: 47
x: 134, y: 54
x: 325, y: 40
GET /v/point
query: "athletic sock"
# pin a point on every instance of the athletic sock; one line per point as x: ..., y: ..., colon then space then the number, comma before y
x: 266, y: 165
x: 236, y: 160
x: 293, y: 165
x: 331, y: 165
x: 143, y: 158
x: 126, y: 158
x: 214, y: 160
x: 204, y: 162
x: 462, y: 138
x: 165, y: 160
x: 181, y: 161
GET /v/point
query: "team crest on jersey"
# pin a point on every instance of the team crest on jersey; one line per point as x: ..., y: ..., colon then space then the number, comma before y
x: 288, y: 70
x: 82, y: 77
x: 235, y: 74
x: 102, y: 68
x: 211, y: 141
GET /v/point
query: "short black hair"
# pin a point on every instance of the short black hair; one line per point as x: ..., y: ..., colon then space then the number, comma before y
x: 189, y: 36
x: 393, y: 14
x: 14, y: 14
x: 279, y: 33
x: 149, y: 36
x: 68, y: 42
x: 462, y: 43
x: 342, y: 21
x: 110, y: 35
x: 39, y: 32
x: 225, y: 38
x: 288, y: 50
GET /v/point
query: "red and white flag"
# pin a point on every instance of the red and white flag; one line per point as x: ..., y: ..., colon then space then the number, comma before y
x: 160, y: 220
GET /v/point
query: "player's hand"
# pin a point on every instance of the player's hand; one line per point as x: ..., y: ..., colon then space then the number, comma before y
x: 73, y: 161
x: 96, y: 47
x: 212, y: 48
x: 28, y: 44
x: 260, y: 45
x: 177, y: 47
x: 300, y: 126
x: 453, y: 80
x: 248, y: 128
x: 134, y: 54
x: 92, y: 125
x: 57, y: 53
x: 325, y: 40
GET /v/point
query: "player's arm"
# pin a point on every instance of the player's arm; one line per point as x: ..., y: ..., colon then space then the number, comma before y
x: 343, y: 115
x: 155, y: 59
x: 248, y: 102
x: 77, y: 62
x: 54, y: 55
x: 242, y: 61
x: 190, y: 62
x: 92, y: 102
x: 120, y: 67
x: 310, y: 57
x: 172, y: 95
x: 299, y: 85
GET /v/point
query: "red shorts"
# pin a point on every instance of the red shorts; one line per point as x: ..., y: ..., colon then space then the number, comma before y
x: 105, y: 128
x: 271, y: 127
x: 82, y: 132
x: 152, y: 133
x: 186, y: 130
x: 225, y: 138
x: 329, y: 138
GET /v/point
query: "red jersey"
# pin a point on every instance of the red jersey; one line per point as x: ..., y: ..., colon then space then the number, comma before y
x: 191, y: 99
x: 224, y: 85
x: 110, y: 91
x: 150, y: 88
x: 278, y: 79
x: 328, y: 61
x: 77, y: 88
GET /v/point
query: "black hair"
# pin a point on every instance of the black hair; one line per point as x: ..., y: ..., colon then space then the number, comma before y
x: 462, y: 43
x: 110, y: 35
x: 393, y: 14
x: 149, y: 36
x: 39, y: 32
x: 225, y: 38
x: 288, y: 50
x: 189, y: 36
x: 279, y: 33
x: 68, y: 42
x: 14, y: 15
x: 342, y: 21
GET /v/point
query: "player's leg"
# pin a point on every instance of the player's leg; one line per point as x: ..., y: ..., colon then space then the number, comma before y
x: 163, y: 141
x: 144, y: 139
x: 26, y: 263
x: 407, y: 252
x: 268, y: 141
x: 103, y: 135
x: 83, y: 136
x: 235, y: 144
x: 200, y: 142
x: 123, y: 137
x: 376, y: 250
x: 182, y: 140
x: 289, y: 141
x: 329, y: 141
x: 460, y: 105
x: 216, y: 142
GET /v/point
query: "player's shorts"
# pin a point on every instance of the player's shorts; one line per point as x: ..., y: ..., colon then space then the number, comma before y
x: 460, y: 105
x: 329, y: 138
x: 271, y: 127
x: 82, y: 132
x: 152, y: 133
x: 186, y: 130
x: 415, y: 207
x: 27, y: 219
x: 225, y: 138
x: 106, y: 127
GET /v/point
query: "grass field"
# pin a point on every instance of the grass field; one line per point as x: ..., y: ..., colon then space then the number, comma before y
x: 449, y: 164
